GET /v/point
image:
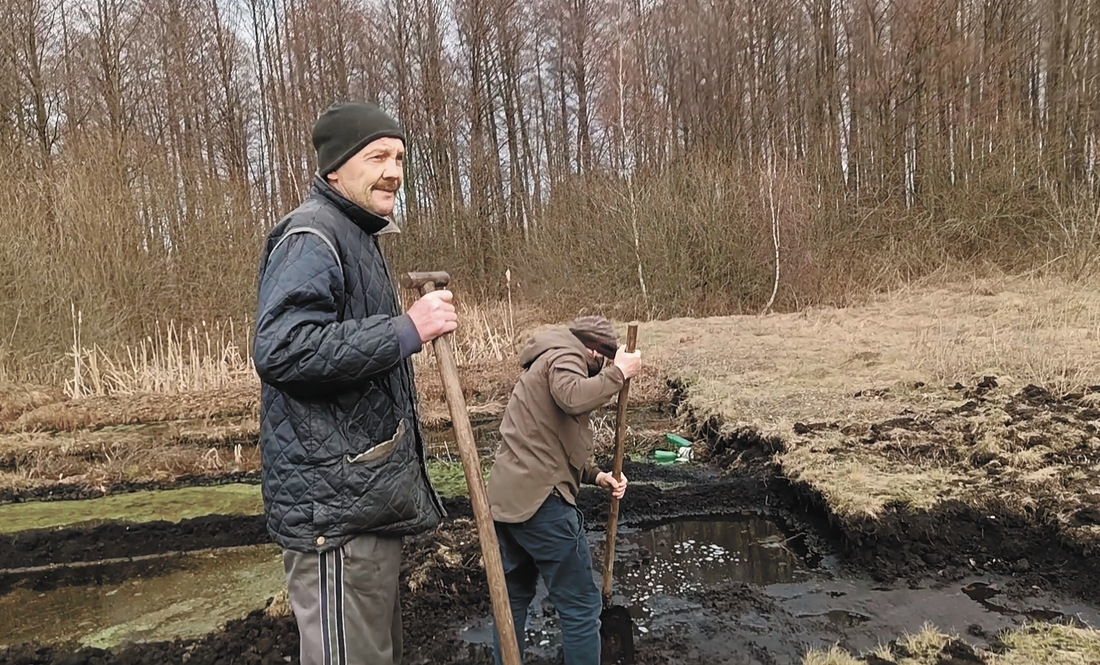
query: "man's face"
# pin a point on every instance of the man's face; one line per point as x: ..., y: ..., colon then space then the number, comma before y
x: 372, y: 176
x: 596, y: 362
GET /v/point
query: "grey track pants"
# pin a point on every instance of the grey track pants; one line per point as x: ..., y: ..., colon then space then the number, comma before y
x: 346, y: 602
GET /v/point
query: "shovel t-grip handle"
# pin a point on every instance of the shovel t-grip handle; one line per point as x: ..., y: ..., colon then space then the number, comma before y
x: 617, y: 470
x: 467, y: 450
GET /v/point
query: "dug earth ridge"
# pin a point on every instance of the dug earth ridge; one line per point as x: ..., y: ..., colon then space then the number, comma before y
x: 1011, y: 487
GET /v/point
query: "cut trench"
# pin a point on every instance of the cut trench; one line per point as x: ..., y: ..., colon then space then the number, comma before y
x: 134, y: 507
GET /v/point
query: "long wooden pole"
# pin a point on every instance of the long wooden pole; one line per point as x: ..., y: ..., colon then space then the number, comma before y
x: 467, y: 450
x: 617, y: 470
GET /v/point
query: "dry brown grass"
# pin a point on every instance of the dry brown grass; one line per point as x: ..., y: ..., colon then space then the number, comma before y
x: 1039, y: 644
x: 436, y: 415
x: 770, y: 372
x: 171, y: 361
x: 858, y: 483
x: 100, y: 459
x: 155, y: 416
x: 16, y: 400
x: 834, y: 656
x: 1045, y: 644
x: 154, y: 436
x: 201, y: 374
x: 94, y: 412
x: 1002, y: 449
x: 922, y: 648
x: 852, y: 370
x: 279, y: 606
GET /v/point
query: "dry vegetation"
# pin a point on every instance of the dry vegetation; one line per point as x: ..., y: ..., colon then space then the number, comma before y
x: 841, y: 375
x: 655, y: 151
x: 171, y: 379
x: 770, y: 372
x: 103, y: 458
x: 864, y: 405
x: 878, y: 406
x: 1041, y: 644
x: 639, y: 158
x: 16, y: 400
x: 193, y: 409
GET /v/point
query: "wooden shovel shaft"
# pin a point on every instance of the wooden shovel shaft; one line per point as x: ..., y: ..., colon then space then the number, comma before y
x: 617, y: 470
x: 467, y: 450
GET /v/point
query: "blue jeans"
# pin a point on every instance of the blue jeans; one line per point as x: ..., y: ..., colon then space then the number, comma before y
x: 552, y: 544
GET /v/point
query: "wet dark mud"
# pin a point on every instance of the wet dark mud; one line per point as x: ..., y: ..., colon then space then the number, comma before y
x: 445, y: 584
x: 32, y: 549
x: 956, y: 540
x: 117, y: 540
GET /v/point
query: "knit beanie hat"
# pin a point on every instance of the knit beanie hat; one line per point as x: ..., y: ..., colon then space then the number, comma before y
x: 344, y: 128
x: 596, y: 333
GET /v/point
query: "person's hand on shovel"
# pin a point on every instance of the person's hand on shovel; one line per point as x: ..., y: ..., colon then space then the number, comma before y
x: 608, y: 482
x: 434, y: 315
x: 628, y: 363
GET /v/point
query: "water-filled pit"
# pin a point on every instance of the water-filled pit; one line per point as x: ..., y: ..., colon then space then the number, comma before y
x: 746, y: 584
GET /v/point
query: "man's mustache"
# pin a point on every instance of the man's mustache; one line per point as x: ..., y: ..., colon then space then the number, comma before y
x: 389, y: 185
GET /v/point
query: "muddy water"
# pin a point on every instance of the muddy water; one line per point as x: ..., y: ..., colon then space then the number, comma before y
x: 656, y: 567
x: 691, y: 555
x: 167, y: 505
x: 742, y: 586
x: 185, y: 596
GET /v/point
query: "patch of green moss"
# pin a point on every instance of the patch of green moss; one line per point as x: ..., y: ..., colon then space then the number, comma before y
x: 168, y: 505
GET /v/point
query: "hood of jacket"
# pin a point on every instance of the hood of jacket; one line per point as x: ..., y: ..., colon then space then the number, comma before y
x: 553, y: 340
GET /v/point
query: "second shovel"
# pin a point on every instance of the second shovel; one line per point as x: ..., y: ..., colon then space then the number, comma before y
x: 616, y: 625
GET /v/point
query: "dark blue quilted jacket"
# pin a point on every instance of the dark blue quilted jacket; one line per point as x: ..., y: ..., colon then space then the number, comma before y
x: 342, y: 447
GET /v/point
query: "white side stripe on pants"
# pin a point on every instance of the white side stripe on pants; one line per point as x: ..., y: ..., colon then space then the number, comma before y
x: 331, y: 581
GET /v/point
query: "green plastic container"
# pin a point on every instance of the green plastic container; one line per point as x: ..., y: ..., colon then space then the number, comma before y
x: 664, y: 455
x: 677, y: 440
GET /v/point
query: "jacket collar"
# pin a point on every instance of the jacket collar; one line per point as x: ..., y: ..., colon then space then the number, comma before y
x: 361, y: 217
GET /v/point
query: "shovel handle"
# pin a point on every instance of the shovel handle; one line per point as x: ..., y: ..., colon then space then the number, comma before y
x: 617, y: 470
x: 483, y: 517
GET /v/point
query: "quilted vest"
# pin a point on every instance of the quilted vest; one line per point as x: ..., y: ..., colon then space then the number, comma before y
x: 341, y: 441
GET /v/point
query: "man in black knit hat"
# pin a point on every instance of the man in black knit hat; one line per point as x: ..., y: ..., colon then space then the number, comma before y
x: 343, y: 456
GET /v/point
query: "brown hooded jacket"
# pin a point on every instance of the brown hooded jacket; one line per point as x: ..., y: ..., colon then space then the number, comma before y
x: 547, y: 439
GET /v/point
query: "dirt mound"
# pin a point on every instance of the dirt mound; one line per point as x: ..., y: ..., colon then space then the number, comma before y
x: 96, y: 412
x: 956, y: 540
x: 17, y: 400
x: 256, y: 639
